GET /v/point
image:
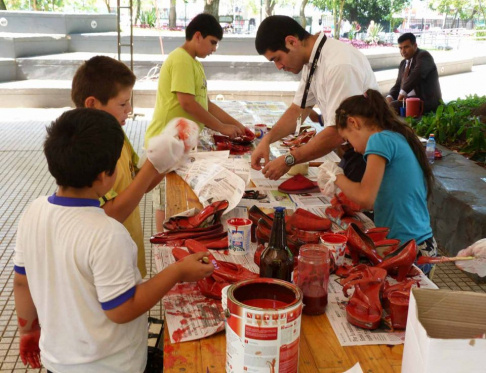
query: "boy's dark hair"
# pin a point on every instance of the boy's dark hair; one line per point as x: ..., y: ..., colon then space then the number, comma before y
x: 81, y: 144
x: 101, y: 77
x: 206, y: 24
x: 375, y: 110
x: 272, y: 33
x: 407, y: 36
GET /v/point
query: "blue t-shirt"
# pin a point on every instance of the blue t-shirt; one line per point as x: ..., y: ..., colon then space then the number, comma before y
x: 401, y: 203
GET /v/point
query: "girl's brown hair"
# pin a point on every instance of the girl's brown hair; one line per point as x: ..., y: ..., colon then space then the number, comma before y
x: 372, y: 106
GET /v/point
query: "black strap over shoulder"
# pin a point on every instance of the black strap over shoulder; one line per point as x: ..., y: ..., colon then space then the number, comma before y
x: 312, y: 70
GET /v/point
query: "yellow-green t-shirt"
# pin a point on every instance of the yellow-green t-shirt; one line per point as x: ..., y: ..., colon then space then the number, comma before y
x: 179, y: 73
x: 126, y: 168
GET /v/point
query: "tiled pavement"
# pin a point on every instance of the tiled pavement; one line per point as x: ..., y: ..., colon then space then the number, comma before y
x: 24, y: 177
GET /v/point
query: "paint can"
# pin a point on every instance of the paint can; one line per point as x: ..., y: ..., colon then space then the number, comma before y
x: 239, y: 234
x: 336, y: 243
x: 263, y: 326
x: 260, y: 130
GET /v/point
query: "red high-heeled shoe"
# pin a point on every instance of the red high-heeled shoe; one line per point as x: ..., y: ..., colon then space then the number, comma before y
x: 302, y: 139
x: 386, y: 247
x: 360, y: 243
x: 256, y: 214
x: 212, y: 286
x: 335, y: 212
x: 349, y: 206
x: 364, y: 308
x: 377, y: 233
x: 165, y: 238
x: 404, y: 286
x: 215, y: 210
x: 263, y: 236
x: 307, y: 221
x: 401, y: 259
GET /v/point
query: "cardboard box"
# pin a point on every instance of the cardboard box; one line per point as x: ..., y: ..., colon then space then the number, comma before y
x: 443, y: 332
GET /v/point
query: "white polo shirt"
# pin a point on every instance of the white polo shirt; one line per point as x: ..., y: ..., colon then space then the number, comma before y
x: 342, y: 71
x: 79, y: 261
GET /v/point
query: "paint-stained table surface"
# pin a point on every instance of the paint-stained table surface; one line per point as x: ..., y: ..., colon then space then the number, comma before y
x: 320, y: 350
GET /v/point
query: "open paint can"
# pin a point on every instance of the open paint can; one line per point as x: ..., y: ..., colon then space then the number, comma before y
x: 239, y: 235
x: 263, y: 326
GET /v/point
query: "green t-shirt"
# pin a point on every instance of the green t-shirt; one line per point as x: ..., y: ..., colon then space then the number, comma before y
x: 179, y: 73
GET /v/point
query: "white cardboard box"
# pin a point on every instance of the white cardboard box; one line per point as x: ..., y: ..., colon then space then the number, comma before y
x: 443, y: 332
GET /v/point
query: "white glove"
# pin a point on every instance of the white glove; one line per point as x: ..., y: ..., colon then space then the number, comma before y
x: 477, y: 249
x: 326, y: 176
x: 164, y: 152
x: 183, y: 129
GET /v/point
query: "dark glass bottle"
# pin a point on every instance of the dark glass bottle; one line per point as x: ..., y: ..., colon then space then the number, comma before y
x: 277, y: 260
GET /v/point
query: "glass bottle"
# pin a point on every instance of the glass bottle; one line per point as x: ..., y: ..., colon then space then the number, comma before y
x: 277, y: 260
x: 313, y: 277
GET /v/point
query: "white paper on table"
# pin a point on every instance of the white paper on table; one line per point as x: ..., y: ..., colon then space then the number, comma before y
x: 273, y: 198
x: 355, y: 369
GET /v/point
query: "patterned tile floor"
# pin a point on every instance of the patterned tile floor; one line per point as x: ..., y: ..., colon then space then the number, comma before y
x: 24, y: 177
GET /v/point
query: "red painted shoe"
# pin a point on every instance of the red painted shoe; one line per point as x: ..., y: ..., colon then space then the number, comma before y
x: 214, y: 211
x: 386, y: 247
x: 360, y: 244
x: 401, y: 259
x: 246, y: 139
x: 298, y: 184
x: 377, y: 233
x: 349, y: 206
x: 307, y: 221
x: 258, y: 254
x: 347, y: 220
x: 256, y: 214
x: 263, y: 236
x: 364, y: 308
x: 212, y: 286
x: 302, y: 139
x: 404, y: 286
x: 335, y: 212
x: 165, y: 238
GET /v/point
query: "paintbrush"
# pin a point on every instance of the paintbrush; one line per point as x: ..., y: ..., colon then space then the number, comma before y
x: 441, y: 259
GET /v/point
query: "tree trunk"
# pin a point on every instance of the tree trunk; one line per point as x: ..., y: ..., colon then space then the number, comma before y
x: 338, y: 17
x: 172, y: 14
x: 269, y: 6
x: 107, y: 3
x: 137, y: 13
x: 212, y: 7
x: 2, y: 5
x: 34, y: 5
x: 302, y: 13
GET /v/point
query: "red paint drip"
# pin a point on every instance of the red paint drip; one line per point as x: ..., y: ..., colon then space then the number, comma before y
x: 183, y: 322
x: 22, y: 322
x: 180, y: 313
x: 265, y: 303
x: 35, y: 323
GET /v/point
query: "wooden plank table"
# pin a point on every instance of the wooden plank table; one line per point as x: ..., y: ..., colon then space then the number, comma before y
x: 320, y: 350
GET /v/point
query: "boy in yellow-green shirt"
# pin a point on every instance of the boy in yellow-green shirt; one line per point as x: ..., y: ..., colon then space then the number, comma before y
x: 182, y: 92
x: 106, y: 84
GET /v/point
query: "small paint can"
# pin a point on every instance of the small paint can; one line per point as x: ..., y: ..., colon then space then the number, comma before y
x: 260, y: 130
x: 263, y: 326
x: 336, y: 243
x: 239, y: 235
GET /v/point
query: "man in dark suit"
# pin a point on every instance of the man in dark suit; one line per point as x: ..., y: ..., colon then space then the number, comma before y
x: 417, y: 76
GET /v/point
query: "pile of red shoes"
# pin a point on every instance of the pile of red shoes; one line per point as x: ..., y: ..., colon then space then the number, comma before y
x: 205, y: 227
x: 343, y: 211
x: 303, y: 227
x: 224, y: 273
x: 237, y: 146
x: 371, y: 292
x: 301, y: 139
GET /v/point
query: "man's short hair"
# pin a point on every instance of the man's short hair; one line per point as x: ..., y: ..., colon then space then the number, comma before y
x: 407, y: 36
x: 101, y: 77
x: 206, y: 24
x: 81, y: 144
x: 272, y: 33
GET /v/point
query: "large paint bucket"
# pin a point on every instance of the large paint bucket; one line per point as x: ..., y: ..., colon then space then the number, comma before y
x: 263, y: 326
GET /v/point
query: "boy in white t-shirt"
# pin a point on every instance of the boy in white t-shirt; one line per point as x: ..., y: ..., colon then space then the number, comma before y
x: 77, y: 286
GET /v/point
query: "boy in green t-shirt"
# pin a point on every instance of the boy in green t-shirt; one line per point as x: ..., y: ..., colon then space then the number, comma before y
x: 182, y: 92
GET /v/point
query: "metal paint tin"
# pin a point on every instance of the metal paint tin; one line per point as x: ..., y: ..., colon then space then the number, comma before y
x: 263, y: 326
x: 260, y: 130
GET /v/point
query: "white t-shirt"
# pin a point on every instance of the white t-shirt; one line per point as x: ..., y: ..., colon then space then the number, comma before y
x: 342, y: 71
x: 78, y: 260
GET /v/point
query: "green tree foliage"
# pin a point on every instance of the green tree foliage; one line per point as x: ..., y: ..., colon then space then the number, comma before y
x: 380, y: 11
x: 52, y: 5
x: 2, y: 5
x: 460, y: 9
x: 212, y: 7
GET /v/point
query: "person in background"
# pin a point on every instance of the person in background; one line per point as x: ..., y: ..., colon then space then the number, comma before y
x: 182, y: 92
x: 79, y: 297
x: 398, y: 178
x: 417, y: 76
x: 340, y: 71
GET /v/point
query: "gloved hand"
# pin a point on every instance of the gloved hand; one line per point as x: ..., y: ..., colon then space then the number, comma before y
x: 477, y: 249
x: 164, y: 152
x: 29, y: 350
x: 326, y: 176
x: 183, y: 129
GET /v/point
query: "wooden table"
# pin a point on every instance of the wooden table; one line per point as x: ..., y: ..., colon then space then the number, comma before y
x: 320, y: 350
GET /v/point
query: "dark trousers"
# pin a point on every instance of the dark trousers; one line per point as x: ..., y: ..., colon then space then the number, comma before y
x: 353, y: 165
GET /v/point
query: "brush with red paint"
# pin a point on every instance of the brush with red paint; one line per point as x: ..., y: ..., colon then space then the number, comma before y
x: 441, y: 259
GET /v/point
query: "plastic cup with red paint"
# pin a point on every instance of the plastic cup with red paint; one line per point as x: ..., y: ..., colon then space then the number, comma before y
x: 336, y: 243
x: 239, y: 234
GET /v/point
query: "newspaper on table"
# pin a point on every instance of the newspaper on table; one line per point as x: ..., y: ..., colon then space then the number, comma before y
x: 273, y: 198
x: 214, y: 177
x: 189, y: 315
x: 262, y: 183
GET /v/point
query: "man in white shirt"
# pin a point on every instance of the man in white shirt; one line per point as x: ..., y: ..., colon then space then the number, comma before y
x: 340, y: 71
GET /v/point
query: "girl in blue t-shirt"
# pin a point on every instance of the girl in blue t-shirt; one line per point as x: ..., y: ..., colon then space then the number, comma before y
x: 398, y: 178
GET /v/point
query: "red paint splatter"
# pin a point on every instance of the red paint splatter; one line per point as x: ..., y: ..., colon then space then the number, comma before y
x: 183, y: 322
x: 180, y: 313
x: 178, y: 334
x: 169, y: 359
x: 22, y: 322
x: 226, y: 252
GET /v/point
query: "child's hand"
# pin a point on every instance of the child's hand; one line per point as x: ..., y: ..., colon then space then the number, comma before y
x: 232, y: 131
x: 326, y: 176
x: 164, y: 152
x: 193, y: 268
x: 29, y: 348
